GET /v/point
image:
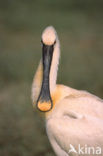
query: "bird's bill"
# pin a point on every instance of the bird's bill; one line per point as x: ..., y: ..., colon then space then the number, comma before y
x: 45, y: 106
x: 44, y: 102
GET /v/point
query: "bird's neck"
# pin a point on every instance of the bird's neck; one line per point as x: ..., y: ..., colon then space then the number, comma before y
x: 54, y: 67
x: 38, y: 78
x: 37, y: 83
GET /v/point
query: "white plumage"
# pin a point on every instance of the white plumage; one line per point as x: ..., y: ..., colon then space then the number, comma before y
x: 76, y: 117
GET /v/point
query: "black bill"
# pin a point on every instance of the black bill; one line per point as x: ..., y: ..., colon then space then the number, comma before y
x: 44, y: 102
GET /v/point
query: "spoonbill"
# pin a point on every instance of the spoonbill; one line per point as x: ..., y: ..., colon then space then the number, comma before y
x: 74, y: 118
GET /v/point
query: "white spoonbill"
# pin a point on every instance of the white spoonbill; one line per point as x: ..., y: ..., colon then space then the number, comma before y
x: 74, y: 118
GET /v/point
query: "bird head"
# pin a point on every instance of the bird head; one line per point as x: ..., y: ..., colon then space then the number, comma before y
x: 49, y: 36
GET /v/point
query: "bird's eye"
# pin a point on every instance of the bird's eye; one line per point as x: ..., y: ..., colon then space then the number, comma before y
x: 41, y: 41
x: 54, y: 42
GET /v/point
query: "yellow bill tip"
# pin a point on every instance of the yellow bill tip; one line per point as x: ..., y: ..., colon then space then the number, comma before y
x: 44, y: 106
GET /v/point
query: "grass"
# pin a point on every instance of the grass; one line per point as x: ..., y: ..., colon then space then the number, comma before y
x: 79, y: 26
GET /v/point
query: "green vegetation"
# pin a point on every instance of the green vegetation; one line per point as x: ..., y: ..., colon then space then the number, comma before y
x: 80, y: 28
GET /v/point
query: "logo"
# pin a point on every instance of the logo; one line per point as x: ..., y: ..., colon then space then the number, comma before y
x: 85, y: 150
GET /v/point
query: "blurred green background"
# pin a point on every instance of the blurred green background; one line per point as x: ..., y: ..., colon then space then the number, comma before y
x: 80, y: 28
